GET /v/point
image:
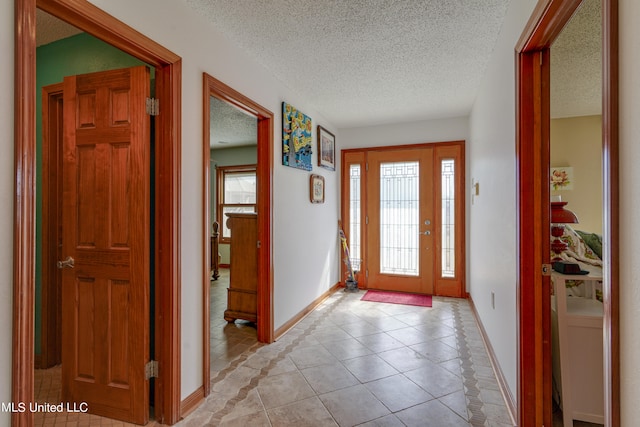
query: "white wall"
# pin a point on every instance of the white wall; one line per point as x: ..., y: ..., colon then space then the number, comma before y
x: 6, y: 203
x: 302, y: 272
x: 419, y: 132
x: 629, y: 207
x: 492, y: 234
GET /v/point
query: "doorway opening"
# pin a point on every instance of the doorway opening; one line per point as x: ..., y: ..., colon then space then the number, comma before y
x: 249, y: 304
x: 534, y: 218
x: 94, y: 21
x: 403, y: 213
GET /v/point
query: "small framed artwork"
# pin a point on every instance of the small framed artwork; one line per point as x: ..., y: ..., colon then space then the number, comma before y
x: 562, y: 178
x: 316, y: 188
x: 326, y: 149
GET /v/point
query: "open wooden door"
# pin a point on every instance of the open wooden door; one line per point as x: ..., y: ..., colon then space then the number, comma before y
x: 105, y: 243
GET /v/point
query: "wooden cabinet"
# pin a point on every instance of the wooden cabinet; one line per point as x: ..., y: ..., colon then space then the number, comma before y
x: 243, y: 274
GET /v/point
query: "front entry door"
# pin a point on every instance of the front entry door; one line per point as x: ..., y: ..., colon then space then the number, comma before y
x: 105, y: 243
x: 400, y: 215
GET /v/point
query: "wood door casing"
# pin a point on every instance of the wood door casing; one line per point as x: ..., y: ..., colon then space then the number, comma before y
x: 106, y: 229
x: 359, y: 159
x: 450, y: 286
x: 91, y: 19
x: 532, y: 153
x: 422, y: 282
x: 51, y: 297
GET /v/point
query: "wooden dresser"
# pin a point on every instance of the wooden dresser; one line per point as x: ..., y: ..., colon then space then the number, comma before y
x: 243, y: 262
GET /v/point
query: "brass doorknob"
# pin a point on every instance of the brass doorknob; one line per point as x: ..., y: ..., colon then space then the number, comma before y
x: 69, y: 262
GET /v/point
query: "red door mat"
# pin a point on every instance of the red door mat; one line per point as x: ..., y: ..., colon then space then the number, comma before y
x: 397, y: 298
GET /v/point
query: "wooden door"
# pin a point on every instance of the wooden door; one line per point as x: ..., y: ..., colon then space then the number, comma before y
x: 105, y: 228
x: 400, y: 231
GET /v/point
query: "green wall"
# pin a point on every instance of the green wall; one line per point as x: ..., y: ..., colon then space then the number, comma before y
x: 79, y: 54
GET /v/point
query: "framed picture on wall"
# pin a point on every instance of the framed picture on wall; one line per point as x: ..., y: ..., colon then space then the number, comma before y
x: 316, y: 188
x: 561, y: 178
x: 296, y: 138
x: 326, y: 149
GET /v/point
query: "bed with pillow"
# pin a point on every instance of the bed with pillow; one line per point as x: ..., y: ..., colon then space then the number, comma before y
x: 582, y: 398
x: 585, y: 249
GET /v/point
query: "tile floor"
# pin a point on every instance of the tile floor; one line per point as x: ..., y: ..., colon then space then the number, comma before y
x: 357, y: 363
x: 348, y: 363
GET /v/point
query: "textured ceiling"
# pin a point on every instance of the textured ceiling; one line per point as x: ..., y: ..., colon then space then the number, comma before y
x: 230, y: 126
x: 363, y: 62
x: 576, y: 64
x: 50, y: 29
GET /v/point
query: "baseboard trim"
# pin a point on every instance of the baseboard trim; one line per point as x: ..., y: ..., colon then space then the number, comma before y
x: 302, y: 314
x: 502, y: 381
x: 191, y: 402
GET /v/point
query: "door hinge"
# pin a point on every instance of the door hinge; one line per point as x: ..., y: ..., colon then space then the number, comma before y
x: 366, y: 219
x: 366, y: 273
x: 258, y: 244
x: 153, y: 106
x: 151, y: 369
x: 546, y: 269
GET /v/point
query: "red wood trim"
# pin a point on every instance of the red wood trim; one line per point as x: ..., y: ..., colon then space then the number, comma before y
x: 611, y: 226
x: 546, y: 23
x: 95, y: 21
x: 502, y: 381
x: 206, y: 218
x: 264, y: 172
x: 167, y: 251
x: 89, y: 18
x: 533, y: 249
x: 455, y: 288
x: 353, y: 157
x: 50, y: 298
x: 403, y: 146
x: 191, y: 402
x: 24, y: 217
x: 305, y: 311
x: 451, y: 287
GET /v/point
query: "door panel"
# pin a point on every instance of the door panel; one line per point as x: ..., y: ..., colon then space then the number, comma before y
x: 400, y: 212
x: 105, y: 228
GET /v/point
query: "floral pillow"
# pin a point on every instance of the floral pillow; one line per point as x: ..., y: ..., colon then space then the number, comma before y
x: 578, y: 249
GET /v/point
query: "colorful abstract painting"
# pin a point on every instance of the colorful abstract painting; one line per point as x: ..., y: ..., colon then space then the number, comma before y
x: 296, y: 138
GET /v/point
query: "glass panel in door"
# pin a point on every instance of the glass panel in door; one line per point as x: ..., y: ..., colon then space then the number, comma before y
x: 400, y: 211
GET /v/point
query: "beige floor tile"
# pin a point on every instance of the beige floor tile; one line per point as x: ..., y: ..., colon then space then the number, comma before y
x: 398, y: 392
x: 327, y: 378
x: 354, y: 405
x: 347, y: 363
x: 278, y: 390
x: 304, y: 413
